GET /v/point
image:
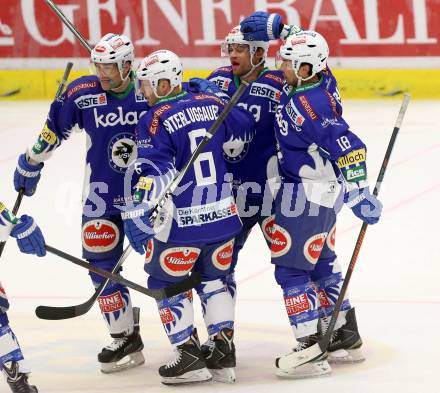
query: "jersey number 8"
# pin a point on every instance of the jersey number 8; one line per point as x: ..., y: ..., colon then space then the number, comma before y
x: 206, y: 156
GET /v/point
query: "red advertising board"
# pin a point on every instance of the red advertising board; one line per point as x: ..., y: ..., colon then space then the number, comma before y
x: 195, y: 28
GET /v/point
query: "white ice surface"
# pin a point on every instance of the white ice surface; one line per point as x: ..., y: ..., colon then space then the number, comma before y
x: 395, y: 286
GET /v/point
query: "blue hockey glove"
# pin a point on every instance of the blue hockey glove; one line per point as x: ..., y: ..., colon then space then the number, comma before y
x: 199, y: 85
x: 364, y: 205
x: 26, y: 175
x: 261, y: 26
x: 30, y: 240
x: 137, y: 227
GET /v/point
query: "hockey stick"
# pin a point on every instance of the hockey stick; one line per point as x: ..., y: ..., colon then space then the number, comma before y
x: 21, y: 191
x: 56, y: 313
x: 69, y: 25
x: 296, y: 359
x: 14, y: 212
x: 193, y: 280
x: 49, y: 312
x: 10, y: 93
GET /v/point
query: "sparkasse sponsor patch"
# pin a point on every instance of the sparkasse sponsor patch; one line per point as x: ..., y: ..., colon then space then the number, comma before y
x: 205, y: 214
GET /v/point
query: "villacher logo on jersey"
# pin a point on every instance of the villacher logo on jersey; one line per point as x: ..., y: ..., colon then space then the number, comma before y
x: 100, y: 235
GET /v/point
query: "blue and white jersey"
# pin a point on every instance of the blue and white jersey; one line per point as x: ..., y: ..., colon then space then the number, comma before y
x: 109, y: 120
x: 204, y: 209
x: 256, y: 161
x: 316, y: 145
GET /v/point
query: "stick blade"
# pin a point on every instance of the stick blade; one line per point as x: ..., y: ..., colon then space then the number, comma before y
x: 58, y: 313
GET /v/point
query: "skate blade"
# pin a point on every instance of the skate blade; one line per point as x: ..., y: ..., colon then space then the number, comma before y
x: 346, y: 356
x: 197, y: 376
x: 132, y: 360
x: 307, y: 370
x: 224, y: 375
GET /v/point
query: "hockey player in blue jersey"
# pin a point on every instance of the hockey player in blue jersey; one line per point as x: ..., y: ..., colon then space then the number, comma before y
x: 346, y: 342
x: 107, y: 107
x: 30, y: 240
x: 197, y: 229
x: 253, y: 165
x: 321, y: 161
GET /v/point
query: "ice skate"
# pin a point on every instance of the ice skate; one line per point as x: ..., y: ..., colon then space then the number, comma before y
x: 219, y: 353
x: 345, y: 345
x: 188, y: 366
x: 316, y: 368
x: 17, y: 381
x: 124, y: 352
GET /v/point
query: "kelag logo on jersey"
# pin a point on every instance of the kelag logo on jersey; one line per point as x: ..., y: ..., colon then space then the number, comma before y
x: 113, y: 119
x: 122, y: 151
x: 91, y: 100
x: 262, y: 90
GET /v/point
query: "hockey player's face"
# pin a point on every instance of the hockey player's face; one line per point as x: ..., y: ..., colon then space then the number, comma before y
x: 109, y: 75
x: 148, y: 92
x: 289, y: 74
x: 239, y: 58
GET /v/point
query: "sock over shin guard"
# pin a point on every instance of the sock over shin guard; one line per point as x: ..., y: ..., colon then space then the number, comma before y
x: 217, y: 305
x: 300, y: 300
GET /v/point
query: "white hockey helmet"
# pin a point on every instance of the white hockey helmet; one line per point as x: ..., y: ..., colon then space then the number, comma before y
x: 235, y: 36
x: 113, y: 48
x: 162, y: 64
x: 305, y: 47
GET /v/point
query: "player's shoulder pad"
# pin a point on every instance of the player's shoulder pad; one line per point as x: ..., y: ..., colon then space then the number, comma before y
x: 83, y: 85
x: 152, y: 119
x: 207, y: 97
x: 222, y: 71
x: 317, y: 104
x: 274, y: 78
x: 222, y: 77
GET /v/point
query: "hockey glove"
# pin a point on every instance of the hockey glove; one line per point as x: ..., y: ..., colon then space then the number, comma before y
x: 364, y: 205
x: 137, y: 227
x: 29, y: 237
x: 199, y: 85
x: 262, y: 26
x: 26, y: 175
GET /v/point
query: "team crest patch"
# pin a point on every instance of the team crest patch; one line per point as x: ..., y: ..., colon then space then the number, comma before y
x: 179, y: 261
x: 237, y: 154
x: 122, y: 151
